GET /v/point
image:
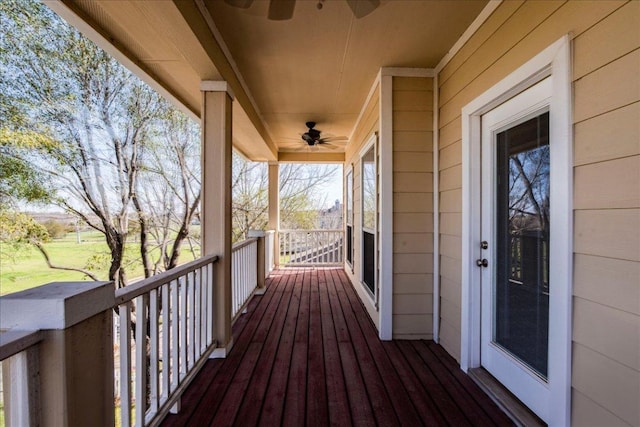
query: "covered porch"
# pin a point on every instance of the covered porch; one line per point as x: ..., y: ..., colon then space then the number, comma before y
x: 306, y: 353
x: 386, y: 337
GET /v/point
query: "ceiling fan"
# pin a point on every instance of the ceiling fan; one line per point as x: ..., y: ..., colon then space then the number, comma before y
x: 281, y: 10
x: 312, y: 140
x: 313, y: 137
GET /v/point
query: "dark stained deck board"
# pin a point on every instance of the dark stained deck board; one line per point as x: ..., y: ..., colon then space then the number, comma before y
x: 337, y: 400
x: 419, y: 397
x: 257, y: 388
x: 201, y: 385
x: 296, y: 397
x: 317, y: 404
x: 273, y: 405
x: 470, y: 387
x: 378, y: 396
x: 306, y: 353
x: 404, y: 408
x: 473, y: 412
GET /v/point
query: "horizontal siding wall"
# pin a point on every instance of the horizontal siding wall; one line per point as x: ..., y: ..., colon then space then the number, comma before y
x: 606, y: 83
x: 368, y: 125
x: 412, y: 208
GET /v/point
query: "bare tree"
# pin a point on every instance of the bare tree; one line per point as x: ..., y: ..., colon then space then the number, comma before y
x: 168, y: 196
x: 300, y: 198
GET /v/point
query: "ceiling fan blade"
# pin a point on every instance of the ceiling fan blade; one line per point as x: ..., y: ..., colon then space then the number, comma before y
x: 281, y: 10
x: 362, y: 8
x: 242, y: 4
x: 329, y: 145
x: 336, y: 139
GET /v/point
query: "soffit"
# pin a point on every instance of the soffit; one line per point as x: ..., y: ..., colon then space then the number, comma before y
x: 164, y: 48
x: 320, y: 65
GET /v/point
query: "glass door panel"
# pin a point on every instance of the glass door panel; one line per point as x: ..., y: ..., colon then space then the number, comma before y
x: 521, y: 287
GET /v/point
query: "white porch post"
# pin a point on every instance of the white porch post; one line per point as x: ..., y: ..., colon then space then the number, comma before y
x: 274, y: 208
x: 217, y: 101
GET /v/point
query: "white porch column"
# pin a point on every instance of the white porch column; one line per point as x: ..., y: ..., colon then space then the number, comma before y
x: 217, y: 101
x: 274, y: 207
x: 75, y: 363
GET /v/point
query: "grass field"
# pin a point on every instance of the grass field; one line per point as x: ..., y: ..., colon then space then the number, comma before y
x: 28, y: 269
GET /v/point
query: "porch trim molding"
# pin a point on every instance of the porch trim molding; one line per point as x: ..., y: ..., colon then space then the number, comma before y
x: 385, y: 147
x: 217, y: 86
x: 436, y: 210
x: 554, y: 61
x: 469, y: 32
x: 202, y: 8
x: 306, y: 157
x: 406, y: 72
x: 370, y: 299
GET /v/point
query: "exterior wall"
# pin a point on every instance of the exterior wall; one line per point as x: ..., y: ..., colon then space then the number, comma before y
x: 368, y: 126
x: 606, y: 85
x: 412, y: 208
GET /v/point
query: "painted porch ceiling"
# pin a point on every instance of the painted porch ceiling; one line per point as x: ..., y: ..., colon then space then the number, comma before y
x: 318, y: 66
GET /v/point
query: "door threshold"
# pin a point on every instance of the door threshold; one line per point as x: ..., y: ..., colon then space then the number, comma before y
x: 511, y: 405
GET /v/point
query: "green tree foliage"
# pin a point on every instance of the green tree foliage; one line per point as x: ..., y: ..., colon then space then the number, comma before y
x: 56, y: 229
x: 17, y: 229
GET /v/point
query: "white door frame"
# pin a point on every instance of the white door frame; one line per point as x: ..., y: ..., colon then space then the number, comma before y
x: 554, y: 61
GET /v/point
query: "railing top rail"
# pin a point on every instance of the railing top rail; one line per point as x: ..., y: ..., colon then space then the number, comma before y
x: 13, y: 342
x: 134, y: 290
x: 339, y: 230
x: 247, y: 242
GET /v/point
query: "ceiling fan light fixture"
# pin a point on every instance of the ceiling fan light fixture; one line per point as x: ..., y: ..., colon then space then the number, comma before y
x: 281, y: 10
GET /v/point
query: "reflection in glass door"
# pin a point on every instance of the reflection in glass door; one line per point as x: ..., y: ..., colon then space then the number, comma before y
x: 521, y: 289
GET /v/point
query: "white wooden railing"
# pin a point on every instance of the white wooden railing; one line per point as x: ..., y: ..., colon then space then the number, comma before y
x: 270, y: 251
x: 311, y: 247
x: 166, y: 335
x: 244, y: 273
x: 20, y: 350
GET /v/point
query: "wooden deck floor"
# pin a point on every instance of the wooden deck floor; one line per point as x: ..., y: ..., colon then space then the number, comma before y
x: 306, y: 353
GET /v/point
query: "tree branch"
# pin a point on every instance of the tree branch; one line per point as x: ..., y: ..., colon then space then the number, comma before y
x: 57, y: 267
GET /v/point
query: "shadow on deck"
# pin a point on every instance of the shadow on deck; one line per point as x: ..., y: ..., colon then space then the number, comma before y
x: 306, y: 353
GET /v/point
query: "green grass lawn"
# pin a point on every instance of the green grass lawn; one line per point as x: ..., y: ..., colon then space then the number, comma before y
x: 27, y: 268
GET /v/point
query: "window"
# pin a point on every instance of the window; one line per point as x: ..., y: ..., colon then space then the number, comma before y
x: 349, y: 217
x: 369, y: 213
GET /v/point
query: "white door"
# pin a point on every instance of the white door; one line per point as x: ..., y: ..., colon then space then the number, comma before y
x: 515, y: 224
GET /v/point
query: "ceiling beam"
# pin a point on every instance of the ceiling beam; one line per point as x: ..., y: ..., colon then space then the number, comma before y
x: 310, y: 157
x: 192, y: 14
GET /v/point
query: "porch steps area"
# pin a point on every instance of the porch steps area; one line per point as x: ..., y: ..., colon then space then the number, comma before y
x: 306, y: 353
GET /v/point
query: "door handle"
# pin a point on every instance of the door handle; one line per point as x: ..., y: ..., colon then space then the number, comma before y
x: 482, y: 262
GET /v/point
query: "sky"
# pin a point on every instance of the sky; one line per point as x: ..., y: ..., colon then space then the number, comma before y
x: 333, y: 190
